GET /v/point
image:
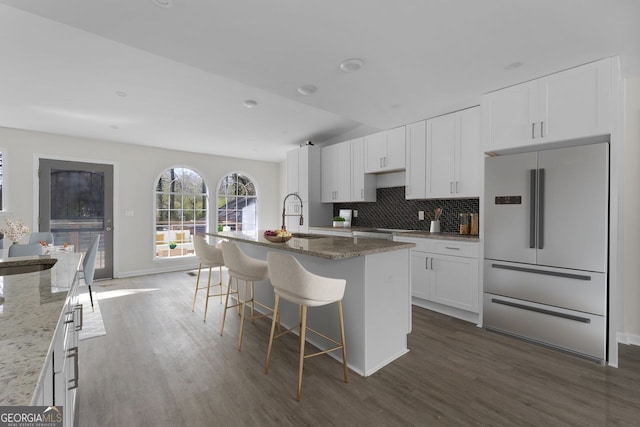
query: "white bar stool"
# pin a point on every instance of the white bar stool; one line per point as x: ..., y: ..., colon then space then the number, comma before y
x: 211, y: 257
x: 243, y: 267
x: 294, y: 283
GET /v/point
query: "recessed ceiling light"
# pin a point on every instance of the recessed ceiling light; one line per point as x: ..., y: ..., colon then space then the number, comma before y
x: 307, y: 89
x: 513, y: 65
x: 351, y: 65
x: 116, y: 127
x: 121, y: 93
x: 250, y: 103
x: 163, y: 3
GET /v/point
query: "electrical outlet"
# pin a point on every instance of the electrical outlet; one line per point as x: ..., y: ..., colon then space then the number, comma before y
x: 355, y: 213
x: 421, y: 215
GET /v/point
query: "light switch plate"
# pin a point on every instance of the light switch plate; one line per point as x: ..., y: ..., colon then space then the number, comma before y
x: 421, y: 215
x: 355, y: 213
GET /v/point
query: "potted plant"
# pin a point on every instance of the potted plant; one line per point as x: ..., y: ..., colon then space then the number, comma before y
x: 338, y: 221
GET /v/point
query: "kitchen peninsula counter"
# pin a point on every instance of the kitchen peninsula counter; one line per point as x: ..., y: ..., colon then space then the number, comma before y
x: 377, y: 299
x: 329, y: 247
x: 31, y: 305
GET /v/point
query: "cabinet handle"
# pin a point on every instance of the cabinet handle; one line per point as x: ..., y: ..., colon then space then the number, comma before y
x: 533, y: 130
x: 381, y: 162
x: 426, y: 263
x: 452, y: 248
x: 74, y: 381
x: 386, y: 161
x: 79, y: 308
x: 450, y: 186
x: 541, y: 129
x: 457, y: 187
x: 431, y: 263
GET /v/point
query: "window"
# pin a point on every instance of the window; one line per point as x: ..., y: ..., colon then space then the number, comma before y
x: 181, y: 212
x: 237, y: 200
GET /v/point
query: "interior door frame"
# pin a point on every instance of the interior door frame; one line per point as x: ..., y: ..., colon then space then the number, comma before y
x: 116, y: 220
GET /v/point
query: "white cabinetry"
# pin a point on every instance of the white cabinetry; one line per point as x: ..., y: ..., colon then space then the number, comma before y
x: 443, y: 156
x: 416, y: 157
x: 304, y: 179
x: 444, y: 276
x: 567, y: 105
x: 363, y: 186
x: 454, y: 155
x: 336, y: 173
x: 385, y: 151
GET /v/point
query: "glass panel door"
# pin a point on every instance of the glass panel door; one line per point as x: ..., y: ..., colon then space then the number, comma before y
x: 76, y: 203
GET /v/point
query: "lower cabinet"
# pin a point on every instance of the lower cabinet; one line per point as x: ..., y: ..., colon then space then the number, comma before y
x: 444, y: 276
x: 60, y: 376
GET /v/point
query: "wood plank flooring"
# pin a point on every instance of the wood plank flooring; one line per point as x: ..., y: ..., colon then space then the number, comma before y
x: 161, y: 365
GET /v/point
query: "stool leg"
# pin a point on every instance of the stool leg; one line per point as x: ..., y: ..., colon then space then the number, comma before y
x: 206, y: 302
x: 344, y: 350
x: 273, y: 328
x: 252, y: 302
x: 303, y: 329
x: 195, y: 293
x: 220, y: 283
x: 244, y: 305
x: 226, y: 304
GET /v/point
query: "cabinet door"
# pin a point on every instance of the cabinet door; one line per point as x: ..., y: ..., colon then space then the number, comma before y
x: 575, y: 103
x: 394, y: 158
x: 304, y: 153
x: 363, y: 186
x: 416, y: 149
x: 468, y: 154
x: 292, y: 171
x: 419, y: 275
x: 441, y: 138
x: 343, y: 172
x: 510, y: 114
x: 375, y: 147
x: 329, y: 166
x: 454, y: 281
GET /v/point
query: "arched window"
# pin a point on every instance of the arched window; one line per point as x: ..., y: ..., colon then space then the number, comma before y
x: 237, y: 201
x: 181, y: 212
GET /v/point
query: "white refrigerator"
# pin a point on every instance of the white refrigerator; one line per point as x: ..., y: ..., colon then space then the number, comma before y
x: 546, y: 247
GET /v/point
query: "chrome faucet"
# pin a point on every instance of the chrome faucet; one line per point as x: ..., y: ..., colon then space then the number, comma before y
x: 284, y: 209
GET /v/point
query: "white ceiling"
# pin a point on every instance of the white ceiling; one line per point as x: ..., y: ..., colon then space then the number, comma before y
x: 187, y: 69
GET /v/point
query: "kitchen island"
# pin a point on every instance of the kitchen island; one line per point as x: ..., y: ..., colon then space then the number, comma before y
x: 35, y: 321
x: 377, y: 299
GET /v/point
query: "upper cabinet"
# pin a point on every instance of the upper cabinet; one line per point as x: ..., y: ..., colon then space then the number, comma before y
x: 443, y: 156
x: 298, y: 172
x: 363, y: 185
x: 385, y: 151
x: 454, y: 155
x: 568, y: 105
x: 416, y: 157
x: 336, y: 173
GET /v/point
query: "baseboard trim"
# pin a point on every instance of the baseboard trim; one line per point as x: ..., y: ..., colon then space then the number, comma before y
x: 628, y: 339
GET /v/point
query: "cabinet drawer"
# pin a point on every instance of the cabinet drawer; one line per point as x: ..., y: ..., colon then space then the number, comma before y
x: 578, y: 332
x: 443, y: 247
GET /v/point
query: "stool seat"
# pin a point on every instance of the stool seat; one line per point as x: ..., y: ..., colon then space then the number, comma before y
x: 211, y: 257
x: 250, y: 270
x: 295, y: 284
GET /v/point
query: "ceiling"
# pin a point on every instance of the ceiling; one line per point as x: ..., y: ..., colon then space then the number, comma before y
x: 176, y: 77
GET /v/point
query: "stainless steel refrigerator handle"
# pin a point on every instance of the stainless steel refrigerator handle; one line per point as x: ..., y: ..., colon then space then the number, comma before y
x: 540, y: 208
x: 541, y: 310
x: 532, y: 210
x: 545, y: 272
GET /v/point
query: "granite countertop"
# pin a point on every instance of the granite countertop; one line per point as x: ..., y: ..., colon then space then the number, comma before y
x: 31, y: 305
x: 329, y: 247
x: 407, y: 233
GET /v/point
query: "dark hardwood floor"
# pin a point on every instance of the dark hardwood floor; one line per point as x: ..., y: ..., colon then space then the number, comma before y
x: 161, y: 365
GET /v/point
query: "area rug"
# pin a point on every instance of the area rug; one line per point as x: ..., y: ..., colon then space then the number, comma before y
x: 92, y: 324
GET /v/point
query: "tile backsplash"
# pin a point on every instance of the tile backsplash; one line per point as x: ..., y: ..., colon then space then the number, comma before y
x: 392, y: 210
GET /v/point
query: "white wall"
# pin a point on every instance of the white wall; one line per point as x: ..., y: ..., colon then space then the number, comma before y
x: 632, y: 211
x: 136, y: 171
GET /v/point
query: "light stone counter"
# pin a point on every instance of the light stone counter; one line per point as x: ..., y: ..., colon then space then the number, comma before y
x: 329, y: 247
x: 408, y: 233
x: 31, y: 305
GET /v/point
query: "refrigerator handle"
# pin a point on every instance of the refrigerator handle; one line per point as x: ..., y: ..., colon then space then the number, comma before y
x: 540, y: 208
x: 532, y: 209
